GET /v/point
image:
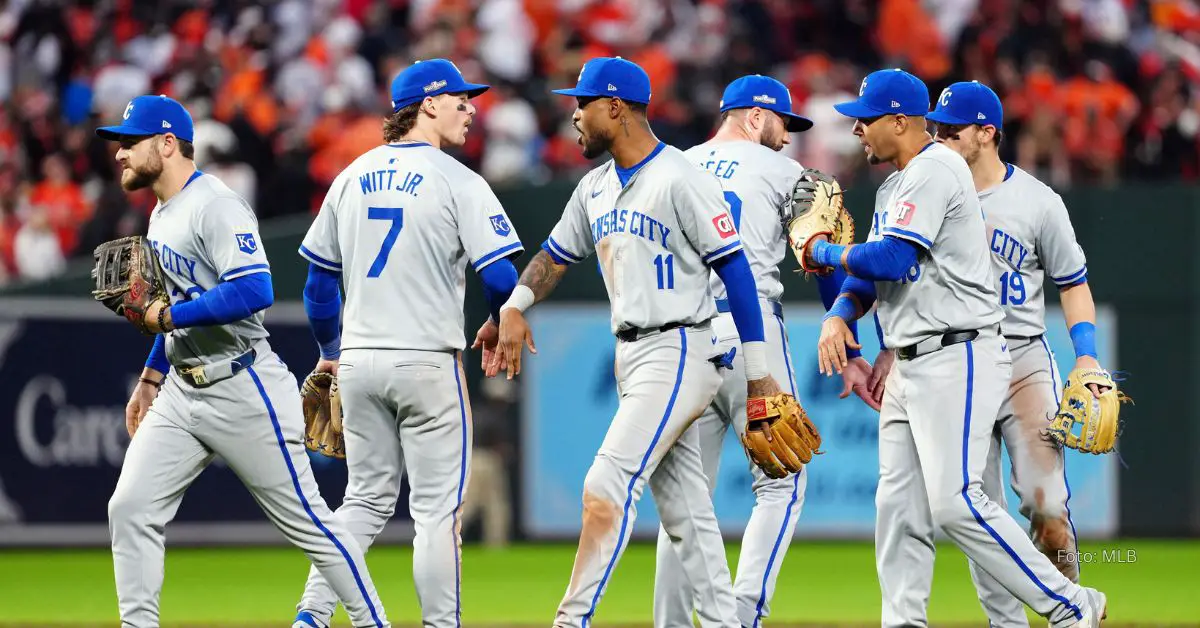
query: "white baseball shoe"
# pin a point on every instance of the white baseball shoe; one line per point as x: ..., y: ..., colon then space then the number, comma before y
x: 305, y: 619
x: 1095, y: 609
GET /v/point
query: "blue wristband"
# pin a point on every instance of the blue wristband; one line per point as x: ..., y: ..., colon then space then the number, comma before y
x: 1083, y: 337
x: 826, y: 254
x: 844, y: 308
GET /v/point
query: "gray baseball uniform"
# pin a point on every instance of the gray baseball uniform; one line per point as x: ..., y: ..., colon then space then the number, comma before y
x: 248, y: 412
x: 940, y: 406
x: 655, y: 236
x: 401, y: 224
x: 1030, y: 234
x: 756, y: 181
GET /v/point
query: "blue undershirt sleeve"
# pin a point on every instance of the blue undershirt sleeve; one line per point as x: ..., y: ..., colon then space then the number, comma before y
x: 499, y: 278
x: 829, y: 287
x: 323, y: 305
x: 230, y: 301
x: 157, y: 359
x: 888, y: 259
x: 856, y: 298
x: 734, y: 271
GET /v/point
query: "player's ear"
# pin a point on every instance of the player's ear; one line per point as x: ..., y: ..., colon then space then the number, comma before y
x: 755, y: 116
x: 616, y: 107
x: 165, y: 144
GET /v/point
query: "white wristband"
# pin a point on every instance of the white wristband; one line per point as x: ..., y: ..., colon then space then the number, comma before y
x: 521, y: 298
x: 755, y: 355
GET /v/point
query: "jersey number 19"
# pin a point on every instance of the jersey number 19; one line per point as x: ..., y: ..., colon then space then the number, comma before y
x: 1012, y: 288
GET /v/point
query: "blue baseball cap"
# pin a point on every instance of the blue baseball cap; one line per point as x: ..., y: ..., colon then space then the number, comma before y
x: 151, y: 115
x: 757, y: 90
x: 888, y: 92
x: 611, y: 77
x: 430, y: 78
x: 969, y: 102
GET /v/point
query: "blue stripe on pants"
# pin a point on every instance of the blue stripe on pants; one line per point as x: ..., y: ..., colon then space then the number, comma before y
x: 1056, y: 384
x: 587, y: 617
x: 762, y: 596
x: 462, y: 475
x: 304, y: 501
x: 966, y: 442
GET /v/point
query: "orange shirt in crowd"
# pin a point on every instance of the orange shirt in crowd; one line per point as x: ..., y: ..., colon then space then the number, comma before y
x: 66, y: 208
x: 1108, y: 99
x: 906, y: 31
x: 356, y: 138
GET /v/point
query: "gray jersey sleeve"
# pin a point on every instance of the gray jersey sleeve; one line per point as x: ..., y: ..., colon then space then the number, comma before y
x: 485, y: 230
x: 228, y: 234
x: 320, y: 245
x: 571, y: 239
x: 922, y: 198
x: 703, y: 215
x: 1061, y: 254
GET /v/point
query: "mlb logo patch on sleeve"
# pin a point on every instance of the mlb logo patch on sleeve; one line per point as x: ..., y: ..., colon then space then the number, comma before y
x: 500, y: 225
x: 724, y: 225
x: 246, y: 242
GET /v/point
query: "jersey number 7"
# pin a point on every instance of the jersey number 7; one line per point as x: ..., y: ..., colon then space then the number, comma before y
x: 396, y: 215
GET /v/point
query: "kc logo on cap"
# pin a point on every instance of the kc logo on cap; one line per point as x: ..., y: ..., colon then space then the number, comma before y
x: 968, y: 102
x: 151, y: 115
x: 888, y: 92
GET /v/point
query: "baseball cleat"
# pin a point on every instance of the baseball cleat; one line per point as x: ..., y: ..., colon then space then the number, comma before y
x: 1098, y: 603
x: 305, y: 619
x: 1094, y: 609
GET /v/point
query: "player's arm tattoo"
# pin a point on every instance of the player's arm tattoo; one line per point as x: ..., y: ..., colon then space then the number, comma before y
x: 542, y: 275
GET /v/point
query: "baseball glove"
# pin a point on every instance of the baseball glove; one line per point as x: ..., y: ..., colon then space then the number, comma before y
x: 779, y: 436
x: 128, y: 279
x: 322, y: 415
x: 1099, y: 419
x: 814, y: 209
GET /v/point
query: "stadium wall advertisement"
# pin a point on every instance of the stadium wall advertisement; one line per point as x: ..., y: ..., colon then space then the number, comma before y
x: 66, y: 369
x: 570, y: 397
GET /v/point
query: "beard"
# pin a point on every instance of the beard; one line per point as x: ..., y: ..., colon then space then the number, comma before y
x: 596, y: 144
x: 142, y: 176
x: 772, y: 137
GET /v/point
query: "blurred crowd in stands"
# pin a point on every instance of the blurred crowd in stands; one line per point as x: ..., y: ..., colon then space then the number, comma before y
x: 286, y: 93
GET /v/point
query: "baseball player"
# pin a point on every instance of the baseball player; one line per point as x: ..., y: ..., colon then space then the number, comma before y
x: 211, y: 386
x: 756, y: 118
x: 928, y: 267
x: 658, y: 225
x: 398, y: 227
x: 1030, y: 236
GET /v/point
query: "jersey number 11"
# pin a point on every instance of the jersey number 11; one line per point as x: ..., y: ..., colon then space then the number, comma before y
x: 665, y: 265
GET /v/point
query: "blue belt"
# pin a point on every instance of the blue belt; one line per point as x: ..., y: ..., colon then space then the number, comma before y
x: 776, y: 307
x: 205, y: 375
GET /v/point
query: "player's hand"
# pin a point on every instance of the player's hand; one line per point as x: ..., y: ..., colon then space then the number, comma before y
x: 879, y: 374
x: 831, y: 348
x: 855, y: 378
x: 139, y: 403
x: 327, y: 366
x: 514, y: 336
x: 486, y: 339
x: 808, y: 250
x: 763, y: 387
x: 1088, y: 362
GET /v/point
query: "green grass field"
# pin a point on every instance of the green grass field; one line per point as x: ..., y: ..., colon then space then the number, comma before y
x: 821, y: 584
